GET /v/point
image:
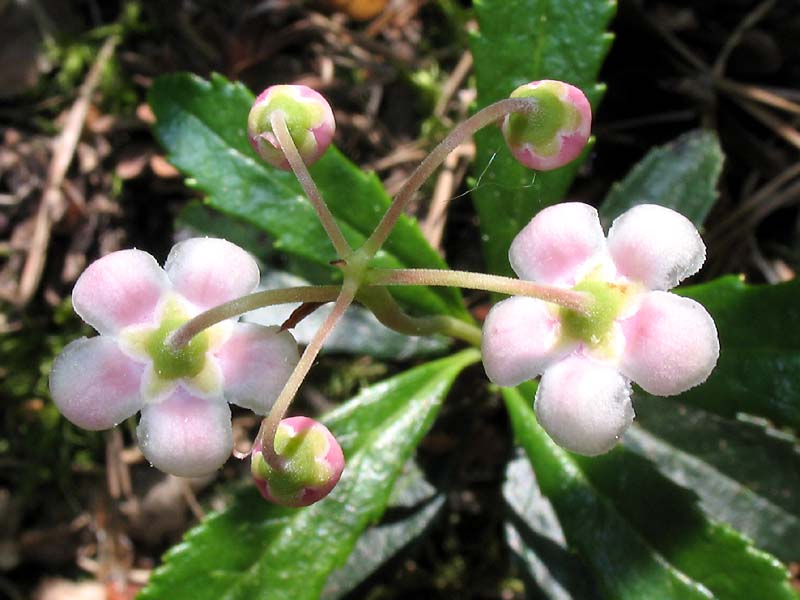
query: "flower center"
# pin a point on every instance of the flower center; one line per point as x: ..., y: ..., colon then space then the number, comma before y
x: 594, y: 327
x: 175, y: 363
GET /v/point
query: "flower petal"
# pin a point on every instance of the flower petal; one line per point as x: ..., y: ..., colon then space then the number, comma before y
x: 558, y: 243
x: 120, y: 289
x: 185, y: 435
x: 154, y: 387
x: 210, y: 271
x: 519, y: 340
x: 208, y: 382
x: 655, y: 246
x: 584, y: 406
x: 94, y: 384
x: 256, y: 362
x: 671, y: 344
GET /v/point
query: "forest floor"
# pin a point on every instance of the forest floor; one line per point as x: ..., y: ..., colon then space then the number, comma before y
x: 81, y: 175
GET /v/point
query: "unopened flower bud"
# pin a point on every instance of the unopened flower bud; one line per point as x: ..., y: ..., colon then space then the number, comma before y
x: 309, y: 120
x: 310, y: 463
x: 556, y: 132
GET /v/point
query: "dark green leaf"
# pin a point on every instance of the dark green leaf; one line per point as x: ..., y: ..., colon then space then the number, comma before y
x: 745, y: 473
x: 537, y: 541
x: 681, y: 175
x: 624, y: 565
x: 759, y: 364
x: 521, y: 41
x: 255, y: 550
x: 379, y: 544
x: 641, y: 535
x: 202, y: 126
x: 197, y: 218
x: 668, y: 517
x: 412, y: 507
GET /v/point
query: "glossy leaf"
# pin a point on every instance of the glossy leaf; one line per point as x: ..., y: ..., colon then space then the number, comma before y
x: 521, y: 41
x: 202, y: 125
x: 536, y: 540
x: 624, y: 565
x: 255, y: 550
x: 744, y: 472
x: 641, y: 535
x: 759, y: 364
x: 197, y: 219
x: 668, y: 516
x: 681, y: 175
x: 413, y: 506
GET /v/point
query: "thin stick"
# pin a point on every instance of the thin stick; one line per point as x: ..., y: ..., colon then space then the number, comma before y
x: 779, y: 127
x: 759, y: 94
x: 573, y: 300
x: 63, y: 151
x: 269, y: 427
x: 453, y: 83
x: 758, y: 13
x: 480, y: 119
x: 281, y: 130
x: 449, y: 179
x: 753, y: 202
x: 234, y: 308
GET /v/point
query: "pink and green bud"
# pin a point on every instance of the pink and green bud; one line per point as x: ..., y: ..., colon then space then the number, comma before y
x: 309, y: 120
x: 310, y: 463
x: 556, y: 132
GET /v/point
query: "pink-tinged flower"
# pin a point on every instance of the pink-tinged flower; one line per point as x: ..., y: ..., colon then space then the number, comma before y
x: 185, y: 427
x: 556, y: 132
x: 636, y: 331
x: 309, y: 119
x: 311, y: 463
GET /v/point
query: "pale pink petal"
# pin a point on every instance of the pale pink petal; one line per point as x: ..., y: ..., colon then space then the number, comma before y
x: 583, y: 405
x: 655, y: 246
x: 256, y: 361
x: 210, y: 271
x: 671, y: 344
x: 578, y: 99
x: 185, y: 435
x: 519, y: 340
x: 120, y: 289
x: 94, y: 384
x: 557, y: 244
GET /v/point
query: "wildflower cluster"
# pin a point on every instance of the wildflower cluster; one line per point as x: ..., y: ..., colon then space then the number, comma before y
x: 588, y: 314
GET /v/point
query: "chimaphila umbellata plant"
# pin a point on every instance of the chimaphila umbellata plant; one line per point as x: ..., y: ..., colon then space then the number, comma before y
x: 589, y: 314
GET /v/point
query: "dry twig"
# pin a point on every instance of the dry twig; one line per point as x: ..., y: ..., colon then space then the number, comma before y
x: 52, y: 200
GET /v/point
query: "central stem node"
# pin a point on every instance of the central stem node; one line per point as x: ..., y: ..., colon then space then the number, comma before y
x: 355, y: 268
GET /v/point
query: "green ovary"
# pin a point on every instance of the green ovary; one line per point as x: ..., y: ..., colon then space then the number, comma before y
x: 171, y: 363
x: 301, y: 469
x: 300, y: 117
x: 551, y: 116
x: 593, y: 328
